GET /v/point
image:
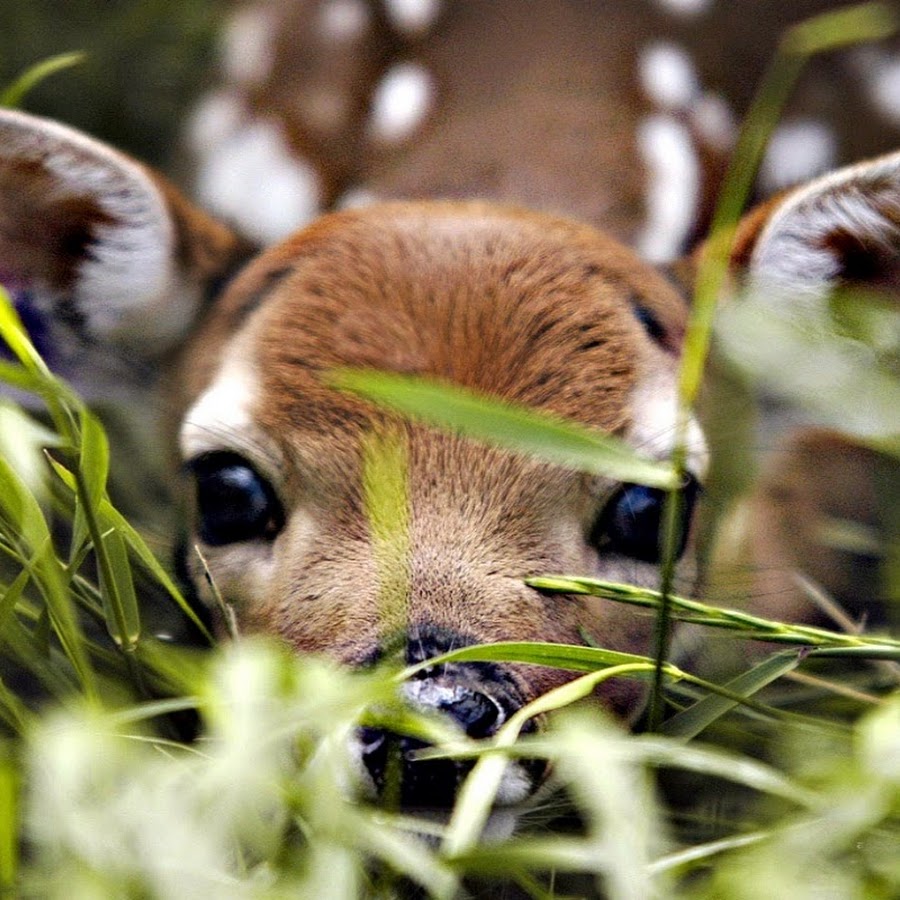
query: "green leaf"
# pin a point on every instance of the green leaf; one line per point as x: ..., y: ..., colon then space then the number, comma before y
x: 837, y: 377
x: 139, y: 548
x: 513, y: 427
x: 557, y: 656
x: 123, y: 618
x: 21, y: 510
x: 113, y: 519
x: 30, y: 78
x: 10, y: 838
x: 691, y: 721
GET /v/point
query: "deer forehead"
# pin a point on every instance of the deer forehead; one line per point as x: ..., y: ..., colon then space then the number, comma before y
x: 524, y: 307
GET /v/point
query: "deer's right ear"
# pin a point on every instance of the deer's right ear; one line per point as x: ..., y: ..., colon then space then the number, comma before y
x: 842, y: 229
x: 107, y: 264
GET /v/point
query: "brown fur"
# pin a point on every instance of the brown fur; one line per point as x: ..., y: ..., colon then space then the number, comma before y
x: 528, y: 308
x: 44, y: 226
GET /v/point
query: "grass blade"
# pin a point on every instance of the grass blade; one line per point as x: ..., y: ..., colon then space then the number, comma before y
x: 13, y: 95
x: 693, y: 720
x: 505, y: 425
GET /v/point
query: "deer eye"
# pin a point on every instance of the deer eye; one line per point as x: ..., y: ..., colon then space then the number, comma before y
x: 631, y: 523
x: 234, y: 502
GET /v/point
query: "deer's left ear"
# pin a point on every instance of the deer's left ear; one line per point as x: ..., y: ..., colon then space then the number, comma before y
x: 842, y: 229
x: 107, y: 264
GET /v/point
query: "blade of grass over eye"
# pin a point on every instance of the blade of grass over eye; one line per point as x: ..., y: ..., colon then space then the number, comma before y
x: 13, y: 95
x: 857, y: 24
x: 506, y: 425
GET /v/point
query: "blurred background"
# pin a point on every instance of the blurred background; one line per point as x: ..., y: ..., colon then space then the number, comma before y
x: 148, y: 61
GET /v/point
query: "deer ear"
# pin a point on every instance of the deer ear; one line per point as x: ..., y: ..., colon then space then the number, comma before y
x: 107, y: 264
x: 843, y: 229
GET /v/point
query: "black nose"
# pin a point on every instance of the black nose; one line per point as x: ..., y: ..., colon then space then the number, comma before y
x: 430, y: 783
x: 475, y: 712
x: 478, y: 697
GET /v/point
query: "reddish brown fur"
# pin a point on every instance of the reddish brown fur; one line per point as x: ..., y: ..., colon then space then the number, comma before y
x: 528, y: 308
x: 44, y: 225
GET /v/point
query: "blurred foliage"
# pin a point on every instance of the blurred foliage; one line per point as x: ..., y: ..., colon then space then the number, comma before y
x: 145, y: 62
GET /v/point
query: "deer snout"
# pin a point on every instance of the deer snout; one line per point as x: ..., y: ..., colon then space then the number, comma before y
x: 478, y: 698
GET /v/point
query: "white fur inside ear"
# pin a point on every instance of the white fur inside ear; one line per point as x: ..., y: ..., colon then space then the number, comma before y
x: 128, y: 288
x: 794, y: 255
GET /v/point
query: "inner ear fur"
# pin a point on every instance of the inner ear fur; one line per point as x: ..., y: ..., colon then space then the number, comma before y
x: 94, y: 238
x: 842, y: 229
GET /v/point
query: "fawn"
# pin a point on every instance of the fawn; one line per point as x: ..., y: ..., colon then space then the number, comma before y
x: 133, y: 292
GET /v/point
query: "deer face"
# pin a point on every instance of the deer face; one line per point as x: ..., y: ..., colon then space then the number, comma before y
x: 526, y: 307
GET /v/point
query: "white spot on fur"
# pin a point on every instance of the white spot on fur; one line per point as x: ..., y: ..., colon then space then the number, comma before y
x: 667, y: 75
x: 685, y: 7
x: 344, y: 21
x: 797, y: 151
x: 674, y: 184
x: 356, y: 198
x: 130, y: 289
x: 792, y: 256
x: 400, y: 102
x: 884, y: 88
x: 248, y: 44
x: 217, y: 115
x: 654, y: 408
x: 714, y: 122
x: 252, y: 178
x: 412, y: 18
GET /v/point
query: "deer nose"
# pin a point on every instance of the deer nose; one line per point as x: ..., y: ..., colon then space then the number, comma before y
x: 476, y: 713
x: 429, y: 783
x: 478, y: 697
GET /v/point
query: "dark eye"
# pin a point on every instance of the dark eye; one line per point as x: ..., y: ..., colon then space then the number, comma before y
x: 234, y: 503
x: 631, y: 523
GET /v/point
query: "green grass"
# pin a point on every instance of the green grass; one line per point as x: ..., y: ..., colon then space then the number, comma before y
x: 99, y: 797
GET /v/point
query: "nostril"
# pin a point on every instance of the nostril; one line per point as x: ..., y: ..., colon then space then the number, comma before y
x: 370, y: 740
x: 477, y: 713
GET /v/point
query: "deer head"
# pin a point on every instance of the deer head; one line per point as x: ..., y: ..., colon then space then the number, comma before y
x: 120, y: 276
